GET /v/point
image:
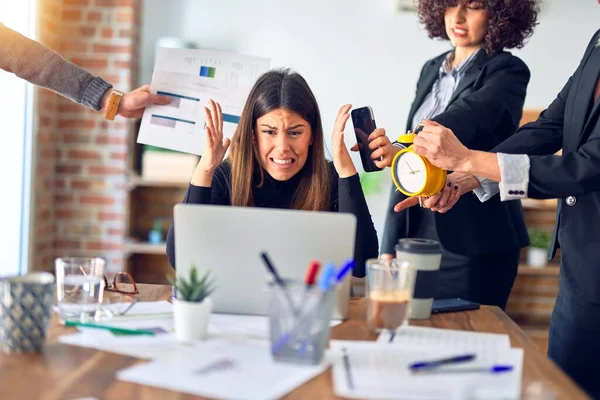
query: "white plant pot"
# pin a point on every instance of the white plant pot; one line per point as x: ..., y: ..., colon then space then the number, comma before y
x: 191, y: 319
x: 537, y: 257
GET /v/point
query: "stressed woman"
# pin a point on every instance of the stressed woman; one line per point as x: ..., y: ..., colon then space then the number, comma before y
x: 478, y: 90
x: 277, y: 160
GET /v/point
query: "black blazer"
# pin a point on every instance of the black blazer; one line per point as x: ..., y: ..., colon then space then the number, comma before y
x: 571, y: 122
x: 484, y: 110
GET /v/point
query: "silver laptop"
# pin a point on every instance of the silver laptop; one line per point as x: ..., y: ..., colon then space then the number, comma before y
x: 229, y: 240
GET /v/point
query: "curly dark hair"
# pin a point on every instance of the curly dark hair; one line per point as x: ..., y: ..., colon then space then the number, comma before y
x: 510, y: 23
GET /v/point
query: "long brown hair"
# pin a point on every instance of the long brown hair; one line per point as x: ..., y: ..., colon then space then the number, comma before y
x: 277, y: 89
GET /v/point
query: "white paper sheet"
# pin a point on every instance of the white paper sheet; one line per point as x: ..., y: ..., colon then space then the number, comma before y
x: 191, y: 78
x: 246, y: 372
x: 379, y: 371
x: 423, y: 336
x: 222, y: 327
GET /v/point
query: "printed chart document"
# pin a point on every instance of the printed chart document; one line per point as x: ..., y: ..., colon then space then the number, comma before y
x: 379, y: 371
x: 192, y: 78
x: 229, y: 371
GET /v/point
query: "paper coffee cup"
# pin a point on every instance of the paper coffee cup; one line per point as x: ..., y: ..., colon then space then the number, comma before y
x: 425, y: 255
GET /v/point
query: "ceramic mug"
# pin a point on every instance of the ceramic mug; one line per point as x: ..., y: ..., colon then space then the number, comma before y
x: 25, y: 310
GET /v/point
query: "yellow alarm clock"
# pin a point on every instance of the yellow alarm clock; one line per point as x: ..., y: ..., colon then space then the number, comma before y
x: 413, y: 174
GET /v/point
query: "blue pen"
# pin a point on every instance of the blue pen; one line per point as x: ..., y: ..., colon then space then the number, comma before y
x: 494, y: 369
x: 326, y: 280
x: 444, y: 361
x: 347, y: 267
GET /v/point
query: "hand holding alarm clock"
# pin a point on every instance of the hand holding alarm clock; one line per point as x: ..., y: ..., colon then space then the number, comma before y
x: 412, y: 173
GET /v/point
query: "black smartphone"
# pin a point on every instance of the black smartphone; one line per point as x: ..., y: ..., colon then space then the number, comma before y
x: 364, y: 124
x: 452, y: 305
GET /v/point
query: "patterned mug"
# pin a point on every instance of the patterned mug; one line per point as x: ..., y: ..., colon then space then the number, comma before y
x: 25, y: 310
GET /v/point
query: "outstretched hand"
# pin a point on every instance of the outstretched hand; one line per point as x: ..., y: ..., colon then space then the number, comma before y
x: 133, y: 103
x: 457, y: 184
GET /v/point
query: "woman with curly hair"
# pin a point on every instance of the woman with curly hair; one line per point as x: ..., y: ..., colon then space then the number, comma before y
x: 476, y: 89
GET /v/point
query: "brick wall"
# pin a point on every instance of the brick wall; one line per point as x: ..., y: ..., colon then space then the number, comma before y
x: 81, y: 160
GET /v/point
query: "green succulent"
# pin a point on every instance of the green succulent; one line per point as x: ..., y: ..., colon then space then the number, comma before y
x: 539, y: 239
x: 195, y: 289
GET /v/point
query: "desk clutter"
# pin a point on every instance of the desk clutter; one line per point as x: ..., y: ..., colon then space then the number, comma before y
x: 269, y: 355
x: 238, y: 349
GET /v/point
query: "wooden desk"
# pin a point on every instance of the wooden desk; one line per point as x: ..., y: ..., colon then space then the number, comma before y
x: 68, y: 372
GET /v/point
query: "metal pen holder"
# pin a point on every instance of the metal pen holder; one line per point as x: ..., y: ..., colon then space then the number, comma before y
x: 299, y: 322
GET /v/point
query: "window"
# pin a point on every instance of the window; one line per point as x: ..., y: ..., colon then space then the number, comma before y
x: 16, y: 101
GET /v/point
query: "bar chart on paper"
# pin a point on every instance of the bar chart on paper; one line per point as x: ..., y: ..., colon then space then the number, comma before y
x: 191, y: 78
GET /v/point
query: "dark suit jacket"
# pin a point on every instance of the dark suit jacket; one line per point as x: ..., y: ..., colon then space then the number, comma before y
x: 484, y: 110
x: 571, y: 122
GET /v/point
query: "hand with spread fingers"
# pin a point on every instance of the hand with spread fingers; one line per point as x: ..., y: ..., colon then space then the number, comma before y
x: 341, y: 157
x: 441, y: 147
x: 216, y: 146
x: 457, y: 184
x: 383, y: 149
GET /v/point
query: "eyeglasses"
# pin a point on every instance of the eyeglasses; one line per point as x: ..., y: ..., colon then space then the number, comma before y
x: 126, y: 281
x: 119, y: 296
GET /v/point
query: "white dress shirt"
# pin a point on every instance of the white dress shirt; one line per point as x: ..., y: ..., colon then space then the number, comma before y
x: 514, y: 179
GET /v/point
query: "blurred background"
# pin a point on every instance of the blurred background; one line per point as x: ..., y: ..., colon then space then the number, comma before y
x: 75, y: 184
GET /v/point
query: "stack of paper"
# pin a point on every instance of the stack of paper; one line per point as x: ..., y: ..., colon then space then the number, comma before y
x: 379, y: 370
x: 228, y: 370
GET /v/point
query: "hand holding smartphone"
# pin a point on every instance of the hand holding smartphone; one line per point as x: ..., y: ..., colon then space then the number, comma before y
x: 364, y: 124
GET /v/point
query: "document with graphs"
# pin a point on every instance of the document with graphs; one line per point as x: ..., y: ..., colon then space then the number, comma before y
x: 193, y: 77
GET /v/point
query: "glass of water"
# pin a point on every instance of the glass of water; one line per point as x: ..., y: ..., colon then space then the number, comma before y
x: 79, y: 287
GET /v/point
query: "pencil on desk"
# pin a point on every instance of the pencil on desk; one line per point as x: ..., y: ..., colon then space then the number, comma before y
x: 349, y: 379
x: 113, y: 329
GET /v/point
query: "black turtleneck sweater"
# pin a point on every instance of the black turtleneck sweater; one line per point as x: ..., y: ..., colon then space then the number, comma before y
x: 346, y: 196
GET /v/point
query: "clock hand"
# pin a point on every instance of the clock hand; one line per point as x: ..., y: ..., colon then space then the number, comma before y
x: 411, y: 170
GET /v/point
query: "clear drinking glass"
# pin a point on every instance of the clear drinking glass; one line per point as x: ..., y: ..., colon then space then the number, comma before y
x: 79, y: 286
x: 390, y: 286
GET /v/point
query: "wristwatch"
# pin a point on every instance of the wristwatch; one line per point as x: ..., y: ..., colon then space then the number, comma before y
x: 113, y: 104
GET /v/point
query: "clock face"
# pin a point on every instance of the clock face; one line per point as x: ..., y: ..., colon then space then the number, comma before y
x: 411, y: 172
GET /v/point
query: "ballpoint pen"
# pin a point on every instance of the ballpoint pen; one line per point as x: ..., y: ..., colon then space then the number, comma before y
x: 423, y: 365
x: 113, y: 329
x: 279, y: 281
x: 349, y: 379
x: 311, y: 273
x: 494, y: 369
x: 309, y: 280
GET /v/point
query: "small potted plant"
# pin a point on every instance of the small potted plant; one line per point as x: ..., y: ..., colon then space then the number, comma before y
x: 192, y: 305
x: 538, y: 248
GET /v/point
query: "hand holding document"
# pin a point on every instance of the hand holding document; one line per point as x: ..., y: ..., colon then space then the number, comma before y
x: 192, y: 78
